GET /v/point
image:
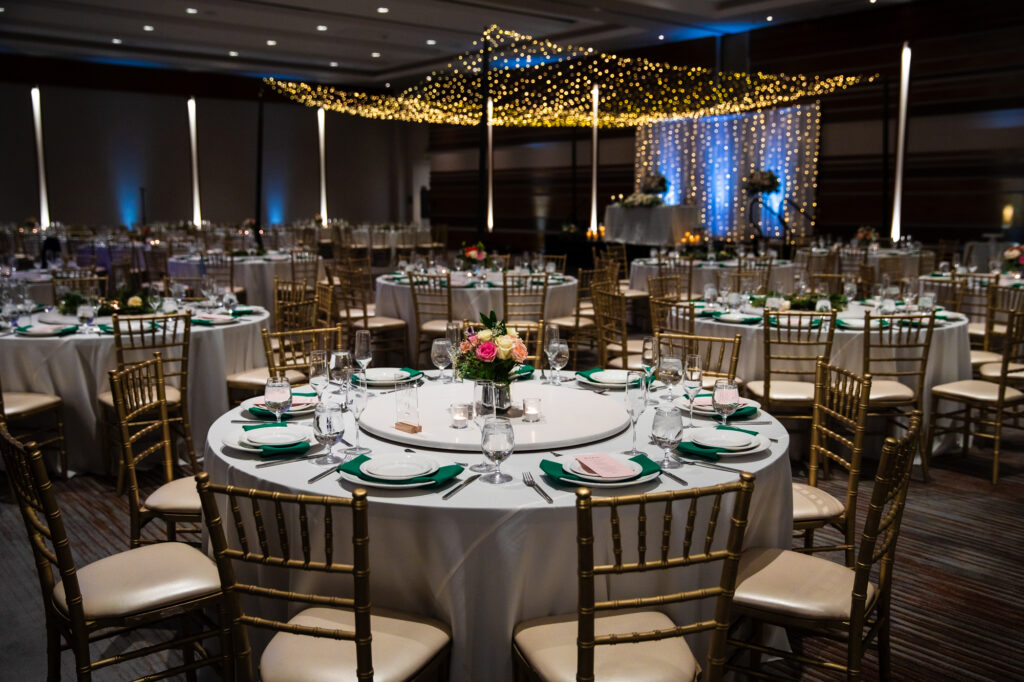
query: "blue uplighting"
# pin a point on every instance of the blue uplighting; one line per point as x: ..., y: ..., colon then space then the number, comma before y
x: 126, y: 189
x: 274, y: 205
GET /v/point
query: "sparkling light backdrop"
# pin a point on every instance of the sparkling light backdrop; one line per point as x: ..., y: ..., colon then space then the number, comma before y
x: 706, y: 161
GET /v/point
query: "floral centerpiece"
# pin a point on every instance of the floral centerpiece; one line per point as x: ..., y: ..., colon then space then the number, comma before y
x: 127, y: 302
x: 642, y: 200
x: 491, y: 354
x: 472, y: 256
x: 761, y: 182
x: 803, y: 302
x: 653, y: 183
x: 1013, y: 259
x: 865, y: 235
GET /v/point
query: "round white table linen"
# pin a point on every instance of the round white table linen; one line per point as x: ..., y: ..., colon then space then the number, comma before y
x: 255, y: 273
x: 781, y: 278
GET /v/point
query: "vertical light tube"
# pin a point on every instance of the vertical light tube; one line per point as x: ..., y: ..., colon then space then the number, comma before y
x: 197, y: 214
x: 593, y: 161
x: 37, y: 119
x: 901, y: 141
x: 490, y: 165
x: 321, y: 125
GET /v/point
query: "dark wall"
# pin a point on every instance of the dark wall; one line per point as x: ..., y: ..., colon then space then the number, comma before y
x: 19, y: 189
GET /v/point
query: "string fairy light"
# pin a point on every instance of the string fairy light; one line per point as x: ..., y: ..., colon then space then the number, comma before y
x: 540, y: 83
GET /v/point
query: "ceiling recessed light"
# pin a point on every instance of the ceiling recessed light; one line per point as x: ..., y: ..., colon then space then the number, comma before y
x: 387, y: 85
x: 871, y: 1
x: 271, y: 43
x: 769, y: 18
x: 334, y: 65
x: 232, y: 53
x: 375, y: 55
x: 116, y: 41
x: 321, y: 27
x: 147, y: 27
x: 661, y: 36
x: 382, y: 10
x: 191, y: 10
x: 431, y: 41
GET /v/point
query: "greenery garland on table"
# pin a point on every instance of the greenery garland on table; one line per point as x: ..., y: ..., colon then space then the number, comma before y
x: 127, y: 302
x: 803, y: 302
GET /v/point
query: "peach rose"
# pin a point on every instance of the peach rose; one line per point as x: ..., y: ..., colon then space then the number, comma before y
x: 465, y: 347
x: 519, y: 351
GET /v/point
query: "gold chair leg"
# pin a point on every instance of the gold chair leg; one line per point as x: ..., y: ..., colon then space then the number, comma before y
x: 929, y: 441
x: 52, y: 650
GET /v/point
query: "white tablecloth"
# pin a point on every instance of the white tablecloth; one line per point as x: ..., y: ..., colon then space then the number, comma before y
x: 37, y: 284
x: 75, y: 368
x: 641, y: 269
x: 394, y: 299
x: 493, y: 556
x: 654, y: 226
x: 255, y: 273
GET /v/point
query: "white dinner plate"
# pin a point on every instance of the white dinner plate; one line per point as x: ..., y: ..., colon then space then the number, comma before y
x: 684, y: 404
x: 759, y: 444
x: 304, y: 408
x: 613, y: 484
x: 42, y: 330
x: 615, y: 377
x: 237, y: 439
x: 397, y: 485
x: 576, y: 468
x: 857, y: 322
x: 722, y: 439
x: 736, y: 318
x: 399, y: 466
x: 385, y: 376
x: 277, y: 435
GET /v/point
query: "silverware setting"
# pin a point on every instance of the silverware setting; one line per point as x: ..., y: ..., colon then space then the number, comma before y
x: 665, y: 472
x: 557, y: 454
x: 460, y: 486
x: 323, y: 474
x: 709, y: 465
x: 274, y: 463
x: 528, y: 480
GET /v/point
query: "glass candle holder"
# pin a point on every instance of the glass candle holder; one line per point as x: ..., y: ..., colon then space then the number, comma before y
x: 531, y: 409
x: 461, y: 414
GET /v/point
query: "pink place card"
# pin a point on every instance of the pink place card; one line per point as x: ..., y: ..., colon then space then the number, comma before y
x: 604, y: 466
x: 214, y: 318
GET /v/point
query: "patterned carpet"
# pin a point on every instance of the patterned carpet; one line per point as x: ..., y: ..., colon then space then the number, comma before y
x: 958, y: 601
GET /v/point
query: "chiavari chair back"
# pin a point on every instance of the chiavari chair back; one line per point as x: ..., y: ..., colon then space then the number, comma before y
x: 754, y: 280
x: 975, y: 304
x: 499, y: 261
x: 326, y: 308
x: 156, y: 263
x: 896, y: 349
x: 684, y: 546
x: 524, y: 297
x: 305, y: 267
x: 358, y: 311
x: 926, y: 262
x: 294, y: 306
x: 614, y: 349
x: 579, y: 328
x: 681, y: 268
x: 672, y: 315
x: 557, y: 259
x: 665, y: 286
x: 719, y: 355
x: 21, y: 408
x: 851, y: 258
x: 432, y: 305
x: 1003, y: 302
x: 288, y: 352
x: 827, y: 282
x: 85, y: 282
x: 948, y: 294
x: 220, y: 267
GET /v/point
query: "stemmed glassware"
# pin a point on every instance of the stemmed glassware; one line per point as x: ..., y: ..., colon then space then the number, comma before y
x: 441, y: 357
x: 558, y: 356
x: 277, y: 394
x: 362, y: 349
x: 649, y: 358
x: 360, y: 396
x: 86, y: 316
x: 497, y: 440
x: 725, y: 399
x: 341, y: 371
x: 551, y: 337
x: 670, y: 371
x: 453, y: 332
x: 482, y: 392
x: 635, y: 404
x: 667, y: 431
x: 328, y: 428
x: 693, y: 380
x: 319, y: 373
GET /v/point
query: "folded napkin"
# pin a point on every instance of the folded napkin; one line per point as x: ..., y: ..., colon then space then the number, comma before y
x: 774, y: 321
x: 109, y: 328
x: 748, y: 412
x: 556, y: 471
x: 412, y: 374
x: 588, y: 373
x: 439, y: 477
x: 264, y: 413
x: 522, y: 372
x: 304, y: 394
x: 278, y: 450
x: 747, y: 319
x: 64, y: 331
x: 202, y: 322
x: 840, y: 322
x: 733, y: 428
x: 238, y: 312
x: 691, y: 450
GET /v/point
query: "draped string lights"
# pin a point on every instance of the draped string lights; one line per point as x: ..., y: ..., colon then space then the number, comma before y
x: 707, y: 161
x: 539, y: 83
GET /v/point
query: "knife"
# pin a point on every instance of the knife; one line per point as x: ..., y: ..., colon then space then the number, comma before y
x: 274, y: 463
x: 323, y: 474
x: 674, y: 477
x: 460, y: 486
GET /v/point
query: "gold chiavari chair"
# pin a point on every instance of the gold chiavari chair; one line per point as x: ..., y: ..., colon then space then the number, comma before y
x: 306, y: 267
x: 895, y: 355
x: 648, y: 644
x: 719, y: 354
x: 85, y: 282
x: 287, y: 353
x: 156, y: 265
x: 294, y: 305
x: 950, y: 295
x: 615, y: 349
x: 499, y: 261
x: 837, y: 437
x: 531, y: 336
x: 665, y: 286
x: 614, y: 258
x: 389, y: 334
x: 102, y: 602
x: 432, y: 305
x: 975, y: 304
x: 827, y: 282
x: 672, y: 315
x: 814, y: 597
x: 221, y: 267
x: 683, y: 269
x: 851, y: 258
x: 557, y: 259
x: 24, y: 409
x: 754, y: 280
x: 983, y: 406
x: 926, y: 262
x: 890, y: 271
x: 578, y: 328
x: 140, y: 405
x: 948, y: 249
x: 792, y: 343
x: 524, y: 297
x: 818, y: 263
x: 326, y: 311
x: 332, y: 636
x: 193, y: 286
x: 1001, y: 303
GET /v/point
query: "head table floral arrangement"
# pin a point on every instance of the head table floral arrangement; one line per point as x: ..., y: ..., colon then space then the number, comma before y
x: 491, y: 354
x: 1013, y: 258
x: 472, y: 256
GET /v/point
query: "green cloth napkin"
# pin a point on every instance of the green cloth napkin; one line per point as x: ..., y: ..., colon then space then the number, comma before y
x: 691, y: 450
x: 733, y: 428
x: 305, y: 394
x: 750, y: 319
x: 202, y: 322
x: 60, y: 332
x: 748, y: 412
x: 439, y: 477
x: 238, y: 312
x: 522, y: 372
x: 278, y: 450
x: 774, y: 321
x: 557, y: 472
x: 264, y: 413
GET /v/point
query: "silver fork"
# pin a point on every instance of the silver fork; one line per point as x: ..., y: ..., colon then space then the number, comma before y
x: 528, y: 480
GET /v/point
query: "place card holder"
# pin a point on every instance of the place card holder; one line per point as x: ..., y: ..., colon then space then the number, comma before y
x: 407, y: 409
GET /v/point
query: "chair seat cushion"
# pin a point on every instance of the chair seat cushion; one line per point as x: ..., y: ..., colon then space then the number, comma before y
x: 435, y: 326
x: 371, y: 310
x: 990, y: 370
x: 982, y: 357
x: 549, y: 644
x: 379, y: 323
x: 978, y: 328
x: 708, y: 381
x: 636, y: 362
x: 17, y: 404
x: 812, y: 504
x: 173, y: 395
x: 632, y: 346
x: 887, y: 391
x: 402, y: 644
x: 795, y: 585
x: 175, y: 497
x: 784, y: 391
x: 255, y: 379
x: 635, y: 293
x: 974, y: 389
x: 141, y: 580
x: 569, y: 321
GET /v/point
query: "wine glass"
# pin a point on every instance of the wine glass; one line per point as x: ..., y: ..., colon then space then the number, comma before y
x: 278, y: 395
x: 453, y: 332
x: 319, y: 372
x: 558, y: 356
x: 635, y: 403
x: 328, y: 428
x: 823, y: 305
x: 725, y: 399
x: 667, y: 431
x: 483, y: 391
x: 362, y: 350
x: 551, y: 336
x: 341, y: 371
x: 86, y: 316
x: 497, y: 440
x: 649, y: 358
x: 850, y: 289
x: 693, y: 380
x: 670, y: 371
x: 439, y: 355
x: 360, y: 396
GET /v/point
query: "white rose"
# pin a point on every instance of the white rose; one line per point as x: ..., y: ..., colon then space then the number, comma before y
x: 484, y: 335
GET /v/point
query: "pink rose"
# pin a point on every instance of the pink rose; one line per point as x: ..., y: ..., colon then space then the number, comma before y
x: 486, y: 351
x: 472, y: 339
x: 465, y: 346
x: 519, y: 351
x: 481, y: 256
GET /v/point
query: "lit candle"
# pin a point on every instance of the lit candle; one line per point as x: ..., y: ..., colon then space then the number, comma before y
x: 460, y: 415
x: 531, y: 409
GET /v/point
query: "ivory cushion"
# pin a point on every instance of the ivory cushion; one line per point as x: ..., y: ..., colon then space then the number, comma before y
x: 975, y: 389
x: 978, y: 328
x: 887, y: 391
x: 16, y: 404
x: 177, y: 497
x: 812, y: 504
x: 173, y: 396
x: 981, y: 357
x: 379, y: 322
x: 371, y: 310
x: 991, y: 371
x: 635, y: 362
x: 141, y: 580
x: 795, y: 585
x: 549, y: 644
x: 256, y: 379
x: 402, y: 644
x: 570, y: 321
x: 785, y: 391
x: 635, y: 293
x: 708, y: 381
x: 632, y: 345
x: 435, y: 326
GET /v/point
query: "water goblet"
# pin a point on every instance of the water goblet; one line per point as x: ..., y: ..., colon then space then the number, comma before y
x: 558, y: 356
x: 823, y: 305
x: 319, y: 372
x: 497, y: 440
x: 328, y: 428
x: 453, y: 332
x: 86, y: 316
x: 850, y: 289
x: 483, y: 409
x: 277, y: 394
x: 693, y: 380
x: 635, y: 403
x: 670, y: 372
x: 440, y: 356
x: 362, y: 349
x: 667, y: 431
x: 360, y: 396
x: 725, y: 399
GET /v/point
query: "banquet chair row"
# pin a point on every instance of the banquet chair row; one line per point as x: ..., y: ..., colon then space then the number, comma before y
x: 578, y: 328
x: 288, y: 354
x: 356, y: 310
x: 719, y: 355
x: 36, y: 418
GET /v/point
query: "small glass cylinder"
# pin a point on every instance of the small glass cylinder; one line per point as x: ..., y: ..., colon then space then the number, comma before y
x: 461, y: 414
x: 531, y: 410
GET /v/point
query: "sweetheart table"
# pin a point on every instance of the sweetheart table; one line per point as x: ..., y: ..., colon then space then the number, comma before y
x: 495, y: 555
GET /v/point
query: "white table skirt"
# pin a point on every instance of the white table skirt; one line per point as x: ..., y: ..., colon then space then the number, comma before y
x: 394, y: 299
x: 654, y: 226
x: 640, y: 270
x: 255, y: 274
x: 75, y: 368
x: 493, y: 556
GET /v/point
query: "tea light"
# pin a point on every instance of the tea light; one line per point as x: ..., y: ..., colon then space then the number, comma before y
x: 460, y: 415
x: 531, y: 409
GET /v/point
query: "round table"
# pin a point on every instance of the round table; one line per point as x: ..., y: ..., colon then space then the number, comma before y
x: 75, y: 368
x: 255, y: 273
x: 641, y: 269
x: 394, y: 299
x: 495, y: 555
x: 909, y: 260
